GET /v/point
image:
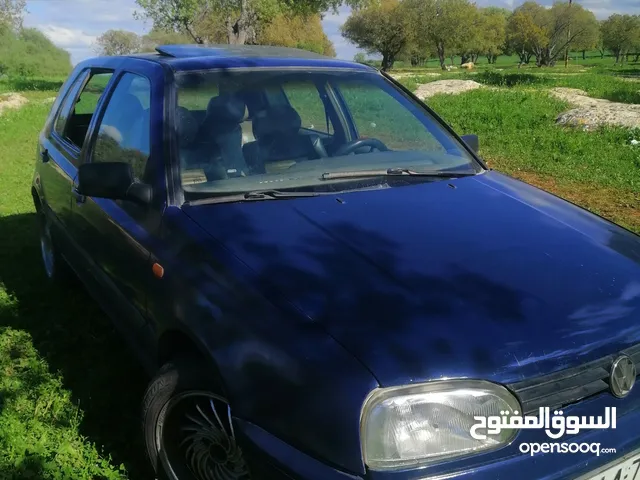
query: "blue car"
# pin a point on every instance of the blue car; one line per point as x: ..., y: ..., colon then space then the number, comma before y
x: 326, y: 282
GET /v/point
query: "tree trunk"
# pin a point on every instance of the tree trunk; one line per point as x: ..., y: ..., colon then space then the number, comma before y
x: 584, y: 54
x: 242, y: 30
x: 637, y: 57
x: 527, y: 58
x: 441, y: 57
x: 196, y: 38
x: 474, y: 57
x: 463, y: 59
x: 523, y: 58
x: 387, y: 62
x: 601, y: 54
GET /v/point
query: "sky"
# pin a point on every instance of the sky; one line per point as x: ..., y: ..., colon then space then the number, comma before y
x: 75, y: 24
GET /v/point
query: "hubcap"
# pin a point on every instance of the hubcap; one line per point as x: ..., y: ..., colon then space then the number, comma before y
x: 46, y: 248
x: 197, y: 440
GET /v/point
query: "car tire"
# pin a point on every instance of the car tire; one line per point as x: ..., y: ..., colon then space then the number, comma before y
x: 187, y: 428
x: 55, y: 266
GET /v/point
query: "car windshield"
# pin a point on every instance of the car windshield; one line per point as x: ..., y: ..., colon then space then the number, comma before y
x: 251, y: 130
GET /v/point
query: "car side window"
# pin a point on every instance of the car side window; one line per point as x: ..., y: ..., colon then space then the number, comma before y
x: 76, y: 113
x: 125, y: 130
x: 305, y: 99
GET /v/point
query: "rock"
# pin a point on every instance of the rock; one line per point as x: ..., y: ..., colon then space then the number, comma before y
x: 11, y: 101
x: 400, y: 75
x: 590, y: 113
x: 446, y: 86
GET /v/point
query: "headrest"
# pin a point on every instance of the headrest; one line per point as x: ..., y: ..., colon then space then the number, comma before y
x: 131, y: 105
x: 275, y: 120
x: 226, y: 108
x: 186, y: 127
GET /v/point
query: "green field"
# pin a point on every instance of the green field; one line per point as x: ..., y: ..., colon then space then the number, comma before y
x: 69, y: 389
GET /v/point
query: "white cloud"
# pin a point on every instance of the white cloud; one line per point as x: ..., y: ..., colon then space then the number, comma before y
x: 67, y: 37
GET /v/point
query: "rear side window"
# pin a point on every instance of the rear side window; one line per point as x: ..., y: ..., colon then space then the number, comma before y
x: 78, y: 109
x: 68, y: 103
x: 305, y: 99
x: 125, y: 130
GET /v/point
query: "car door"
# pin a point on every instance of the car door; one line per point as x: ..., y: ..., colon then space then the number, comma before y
x: 61, y: 146
x: 117, y: 235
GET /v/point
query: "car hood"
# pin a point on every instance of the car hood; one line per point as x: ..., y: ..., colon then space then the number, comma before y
x: 481, y: 277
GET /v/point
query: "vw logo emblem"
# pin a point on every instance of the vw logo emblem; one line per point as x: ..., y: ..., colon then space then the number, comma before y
x: 622, y: 377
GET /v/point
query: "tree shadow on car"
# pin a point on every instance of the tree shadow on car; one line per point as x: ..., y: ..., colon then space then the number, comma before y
x: 75, y: 338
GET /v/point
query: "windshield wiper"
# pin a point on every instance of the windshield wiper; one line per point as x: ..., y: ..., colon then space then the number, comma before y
x: 275, y: 194
x: 394, y: 172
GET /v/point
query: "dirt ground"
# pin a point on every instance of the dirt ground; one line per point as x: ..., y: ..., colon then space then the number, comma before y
x: 11, y: 101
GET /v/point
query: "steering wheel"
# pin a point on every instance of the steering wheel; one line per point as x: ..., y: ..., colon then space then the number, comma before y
x: 354, y: 145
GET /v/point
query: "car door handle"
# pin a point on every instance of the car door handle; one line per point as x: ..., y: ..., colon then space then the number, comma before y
x: 78, y: 196
x: 44, y: 155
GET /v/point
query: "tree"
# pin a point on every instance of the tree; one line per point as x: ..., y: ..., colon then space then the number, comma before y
x: 584, y: 22
x: 360, y: 58
x: 487, y: 35
x: 240, y: 19
x: 620, y: 33
x: 523, y: 32
x: 297, y: 31
x: 118, y: 42
x: 157, y: 37
x: 443, y: 25
x: 494, y: 36
x: 381, y: 28
x: 600, y: 43
x: 12, y: 12
x: 548, y: 32
x: 29, y: 52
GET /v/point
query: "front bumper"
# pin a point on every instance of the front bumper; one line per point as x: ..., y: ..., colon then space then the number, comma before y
x: 277, y: 457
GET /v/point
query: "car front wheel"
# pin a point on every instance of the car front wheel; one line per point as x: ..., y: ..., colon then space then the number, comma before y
x: 188, y: 429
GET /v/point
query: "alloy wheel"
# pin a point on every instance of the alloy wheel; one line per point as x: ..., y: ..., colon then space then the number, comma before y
x: 196, y: 439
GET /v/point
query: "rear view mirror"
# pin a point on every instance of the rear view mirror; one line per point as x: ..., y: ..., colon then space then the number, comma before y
x: 112, y: 180
x: 472, y: 141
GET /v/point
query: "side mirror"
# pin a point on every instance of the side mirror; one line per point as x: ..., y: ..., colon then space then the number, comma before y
x: 472, y: 141
x: 112, y: 180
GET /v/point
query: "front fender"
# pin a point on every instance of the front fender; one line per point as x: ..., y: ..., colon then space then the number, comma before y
x: 280, y: 370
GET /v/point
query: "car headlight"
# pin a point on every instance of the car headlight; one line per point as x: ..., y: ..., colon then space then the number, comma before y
x: 420, y: 424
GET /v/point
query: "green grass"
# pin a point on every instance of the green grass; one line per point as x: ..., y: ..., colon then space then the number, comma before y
x: 516, y: 124
x: 69, y: 387
x: 599, y: 82
x: 526, y: 134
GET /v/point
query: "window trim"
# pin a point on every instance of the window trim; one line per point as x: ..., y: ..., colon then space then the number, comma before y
x: 71, y: 148
x: 96, y: 121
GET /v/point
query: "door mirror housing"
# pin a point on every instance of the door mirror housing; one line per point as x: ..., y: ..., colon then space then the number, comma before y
x: 113, y: 180
x: 473, y: 142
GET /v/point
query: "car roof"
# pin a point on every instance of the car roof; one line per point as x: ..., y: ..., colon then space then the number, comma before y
x: 201, y: 57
